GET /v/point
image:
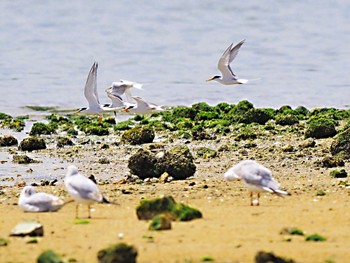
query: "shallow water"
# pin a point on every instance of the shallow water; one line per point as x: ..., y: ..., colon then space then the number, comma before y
x: 300, y: 50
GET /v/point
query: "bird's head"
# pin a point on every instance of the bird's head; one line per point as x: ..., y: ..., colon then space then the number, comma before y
x: 214, y: 78
x: 28, y: 190
x: 72, y: 170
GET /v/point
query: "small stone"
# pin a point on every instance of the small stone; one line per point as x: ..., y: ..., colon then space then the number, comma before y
x: 64, y: 141
x: 164, y: 177
x: 160, y: 222
x: 49, y: 256
x: 29, y: 228
x: 288, y: 148
x: 119, y: 253
x: 154, y: 180
x: 339, y: 173
x: 8, y: 140
x: 23, y: 159
x: 308, y: 143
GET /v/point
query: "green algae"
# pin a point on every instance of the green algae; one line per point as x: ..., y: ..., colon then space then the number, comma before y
x: 119, y: 253
x: 149, y: 208
x: 49, y: 256
x: 138, y: 135
x: 40, y: 128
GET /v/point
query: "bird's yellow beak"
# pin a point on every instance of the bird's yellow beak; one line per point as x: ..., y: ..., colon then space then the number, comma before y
x: 125, y: 110
x: 210, y: 79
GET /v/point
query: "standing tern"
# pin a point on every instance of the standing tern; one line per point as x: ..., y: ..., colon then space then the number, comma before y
x: 228, y: 77
x: 91, y: 95
x: 256, y: 178
x: 82, y: 189
x: 31, y: 201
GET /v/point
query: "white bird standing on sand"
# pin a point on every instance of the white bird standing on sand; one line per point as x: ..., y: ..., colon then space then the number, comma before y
x: 82, y: 189
x: 31, y: 201
x: 142, y: 107
x: 228, y: 77
x: 91, y: 95
x: 256, y: 178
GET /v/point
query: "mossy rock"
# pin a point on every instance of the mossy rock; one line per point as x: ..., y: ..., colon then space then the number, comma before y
x: 148, y: 209
x: 332, y: 161
x: 96, y: 130
x: 288, y: 119
x: 23, y: 159
x: 341, y: 144
x: 339, y: 173
x: 142, y: 164
x: 138, y: 135
x: 330, y: 113
x: 202, y: 106
x: 40, y: 128
x: 260, y: 116
x: 160, y: 222
x: 4, y: 116
x: 207, y: 115
x: 178, y: 163
x: 16, y: 124
x: 269, y: 257
x: 64, y: 141
x: 205, y: 152
x: 119, y: 253
x: 246, y: 133
x: 32, y: 143
x: 49, y: 256
x: 243, y: 106
x: 123, y: 125
x: 320, y: 128
x: 301, y: 111
x: 8, y: 140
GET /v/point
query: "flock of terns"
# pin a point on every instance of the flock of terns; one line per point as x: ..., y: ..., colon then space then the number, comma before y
x: 138, y: 105
x: 255, y: 176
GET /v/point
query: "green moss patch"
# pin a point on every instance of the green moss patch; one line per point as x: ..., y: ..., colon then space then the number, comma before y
x: 147, y: 209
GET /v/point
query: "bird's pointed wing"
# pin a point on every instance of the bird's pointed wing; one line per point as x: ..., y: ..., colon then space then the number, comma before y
x: 132, y: 84
x: 90, y: 90
x: 116, y: 101
x: 224, y: 64
x: 234, y: 50
x: 141, y: 103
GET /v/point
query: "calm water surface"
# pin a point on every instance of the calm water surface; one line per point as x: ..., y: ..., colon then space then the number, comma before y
x: 299, y: 49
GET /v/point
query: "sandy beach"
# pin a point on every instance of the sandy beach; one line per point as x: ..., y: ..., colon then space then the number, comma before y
x: 230, y: 230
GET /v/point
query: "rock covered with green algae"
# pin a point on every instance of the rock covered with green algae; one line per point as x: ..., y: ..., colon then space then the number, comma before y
x: 32, y: 143
x: 142, y: 164
x: 64, y: 141
x: 160, y: 222
x: 341, y: 144
x: 119, y: 253
x: 49, y: 256
x: 23, y: 159
x: 177, y: 162
x: 40, y: 128
x: 148, y: 209
x: 320, y: 128
x: 138, y: 135
x: 8, y: 140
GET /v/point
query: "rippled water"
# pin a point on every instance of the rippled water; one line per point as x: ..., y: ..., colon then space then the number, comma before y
x: 299, y: 49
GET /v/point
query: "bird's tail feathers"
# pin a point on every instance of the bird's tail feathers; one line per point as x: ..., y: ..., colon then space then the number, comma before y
x: 280, y: 192
x: 105, y: 201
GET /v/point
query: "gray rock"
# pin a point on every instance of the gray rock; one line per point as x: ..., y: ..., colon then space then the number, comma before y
x: 28, y: 228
